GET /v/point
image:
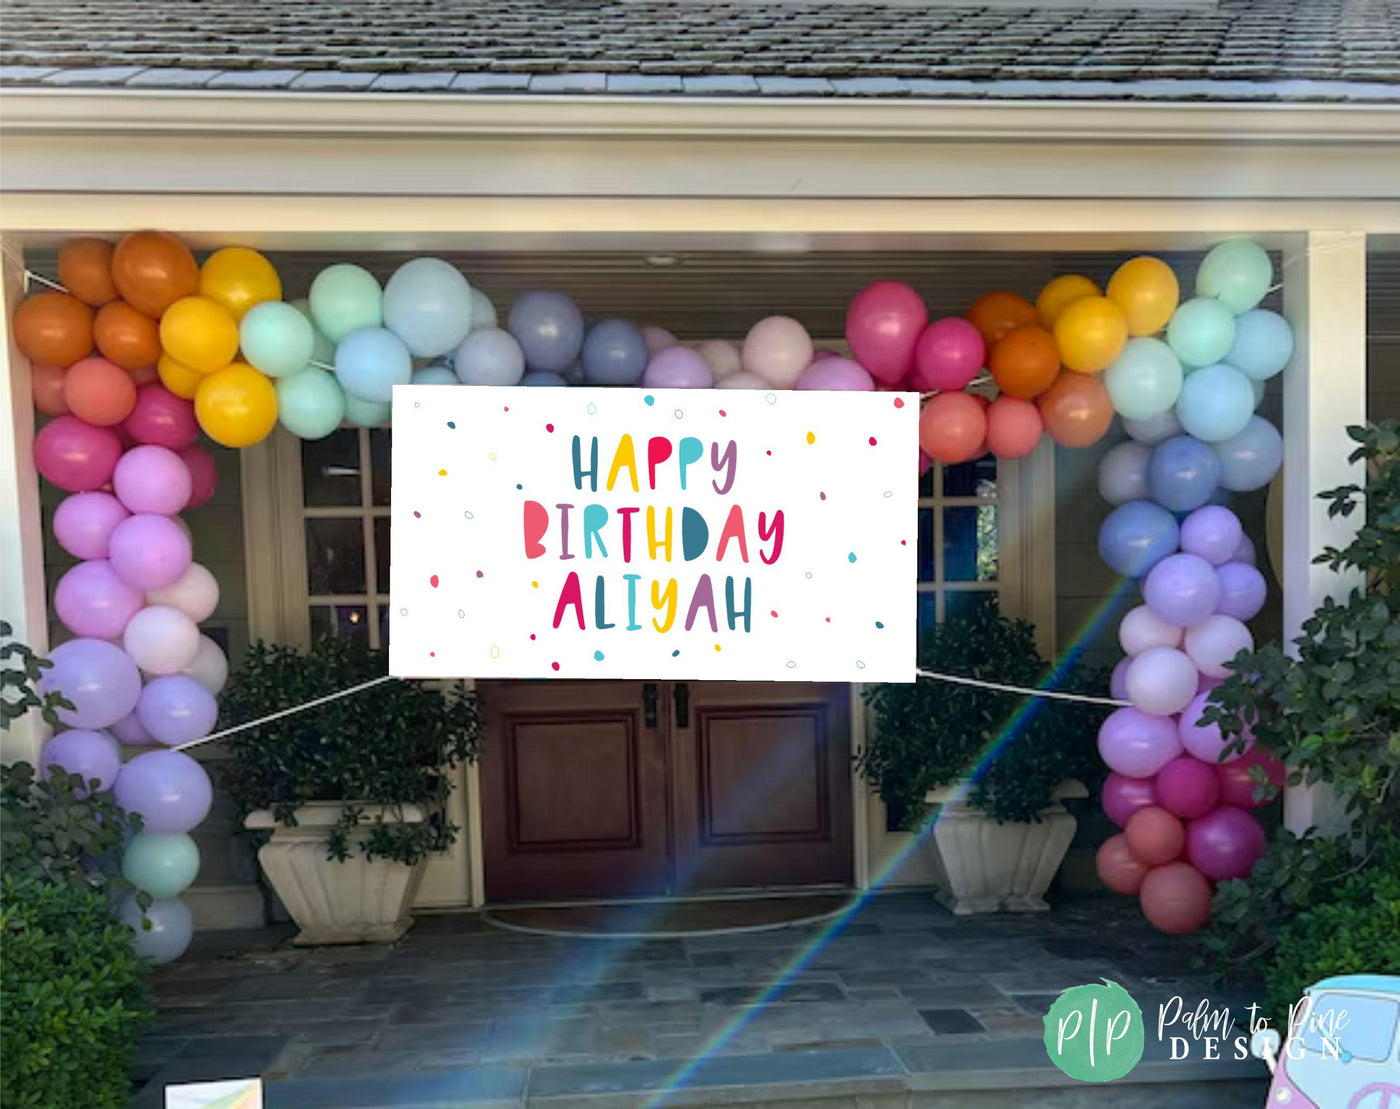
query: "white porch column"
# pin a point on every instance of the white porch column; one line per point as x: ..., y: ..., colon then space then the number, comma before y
x: 1324, y: 392
x: 22, y: 603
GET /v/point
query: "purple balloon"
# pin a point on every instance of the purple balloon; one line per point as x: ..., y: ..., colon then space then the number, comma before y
x: 1245, y: 551
x: 1243, y: 590
x: 1214, y: 533
x: 176, y: 709
x: 84, y: 522
x: 84, y: 752
x: 678, y: 368
x: 1183, y: 473
x: 169, y: 789
x: 99, y: 679
x: 836, y: 374
x: 1182, y: 589
x: 1187, y: 787
x: 1118, y: 680
x: 543, y: 378
x: 1206, y: 741
x: 1137, y: 745
x: 1225, y: 843
x: 1123, y: 796
x: 131, y: 731
x: 150, y: 552
x: 91, y: 599
x: 153, y: 479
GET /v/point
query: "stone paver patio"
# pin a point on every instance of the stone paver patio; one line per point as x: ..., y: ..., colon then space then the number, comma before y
x: 905, y: 1005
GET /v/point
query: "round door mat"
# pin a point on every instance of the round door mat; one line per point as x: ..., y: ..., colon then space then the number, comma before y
x: 652, y: 919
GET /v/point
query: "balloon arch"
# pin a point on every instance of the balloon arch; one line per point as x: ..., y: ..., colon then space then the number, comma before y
x: 137, y: 348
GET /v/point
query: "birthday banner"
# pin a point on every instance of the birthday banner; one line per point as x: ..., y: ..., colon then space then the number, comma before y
x: 627, y: 533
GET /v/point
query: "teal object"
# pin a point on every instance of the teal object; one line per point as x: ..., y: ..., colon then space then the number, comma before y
x: 163, y: 866
x: 310, y: 404
x: 1263, y: 344
x: 1201, y: 332
x: 345, y: 298
x: 1216, y: 402
x: 439, y: 373
x: 367, y: 413
x: 369, y: 363
x: 1144, y: 380
x: 322, y: 349
x: 1238, y: 273
x: 276, y: 338
x: 428, y: 305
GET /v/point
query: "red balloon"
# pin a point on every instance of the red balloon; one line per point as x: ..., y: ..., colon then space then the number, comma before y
x: 161, y: 418
x: 1123, y: 796
x: 1225, y: 844
x: 952, y: 428
x: 1188, y: 787
x: 1155, y: 836
x: 203, y: 473
x: 1014, y: 427
x: 883, y: 325
x: 1119, y: 869
x: 1237, y: 785
x: 1175, y: 898
x: 76, y: 456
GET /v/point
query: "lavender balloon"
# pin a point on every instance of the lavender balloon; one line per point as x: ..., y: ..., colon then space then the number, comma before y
x: 1137, y: 744
x: 1123, y: 473
x: 83, y: 523
x: 99, y: 679
x: 614, y: 353
x: 1118, y: 680
x: 153, y: 479
x: 1213, y: 533
x: 1182, y: 589
x: 130, y: 731
x: 836, y: 375
x: 1250, y: 459
x: 91, y: 599
x: 88, y: 754
x: 1242, y: 590
x: 549, y: 328
x: 1245, y: 551
x: 1206, y: 741
x: 176, y: 709
x: 1225, y: 843
x: 543, y: 379
x: 150, y: 552
x: 169, y: 789
x: 678, y: 368
x: 1161, y: 681
x: 1183, y: 473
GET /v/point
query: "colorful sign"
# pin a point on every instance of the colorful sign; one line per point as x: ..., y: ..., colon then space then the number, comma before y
x: 627, y: 533
x: 239, y: 1093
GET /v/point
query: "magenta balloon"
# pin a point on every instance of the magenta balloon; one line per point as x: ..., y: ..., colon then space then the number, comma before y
x: 1243, y: 590
x: 149, y: 551
x: 949, y: 354
x: 1123, y: 796
x: 1225, y: 843
x: 99, y: 679
x: 1237, y: 784
x: 1206, y: 741
x: 162, y: 419
x: 1138, y: 745
x: 1161, y: 680
x: 1213, y: 532
x: 168, y: 788
x: 678, y: 368
x: 176, y: 709
x: 1187, y: 787
x: 131, y: 731
x: 84, y: 522
x: 89, y: 754
x: 92, y: 600
x: 75, y: 455
x: 153, y: 479
x: 1182, y: 589
x: 203, y: 476
x: 836, y: 374
x: 925, y: 462
x: 883, y: 325
x: 1118, y: 680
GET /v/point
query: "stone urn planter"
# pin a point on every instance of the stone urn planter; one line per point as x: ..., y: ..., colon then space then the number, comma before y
x: 355, y: 901
x: 983, y: 866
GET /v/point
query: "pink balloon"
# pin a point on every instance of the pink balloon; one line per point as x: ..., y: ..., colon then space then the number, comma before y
x: 76, y: 456
x: 84, y: 522
x: 1136, y: 744
x: 1187, y: 787
x: 1243, y: 590
x: 1014, y: 426
x: 658, y: 339
x: 1225, y: 843
x: 742, y: 380
x: 86, y: 753
x: 150, y: 552
x: 1123, y: 796
x: 153, y: 479
x: 948, y: 355
x: 203, y: 476
x: 92, y: 600
x: 952, y: 427
x: 1141, y: 629
x: 1212, y: 643
x: 777, y: 349
x: 161, y: 418
x: 1161, y: 681
x: 1237, y: 783
x: 836, y: 374
x: 1206, y: 741
x: 883, y: 325
x: 925, y: 462
x: 678, y: 368
x: 722, y: 356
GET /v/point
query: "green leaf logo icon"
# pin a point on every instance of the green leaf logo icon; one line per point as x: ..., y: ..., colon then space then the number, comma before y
x: 1095, y: 1033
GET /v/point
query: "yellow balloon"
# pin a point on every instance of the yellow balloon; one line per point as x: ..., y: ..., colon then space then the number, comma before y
x: 177, y: 377
x: 1091, y: 333
x: 199, y: 333
x: 1147, y: 291
x: 1060, y: 293
x: 239, y: 278
x: 236, y: 406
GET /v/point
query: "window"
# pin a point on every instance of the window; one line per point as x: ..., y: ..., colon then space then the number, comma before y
x: 959, y: 556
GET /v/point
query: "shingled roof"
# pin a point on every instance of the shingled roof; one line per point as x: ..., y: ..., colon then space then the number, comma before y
x: 1236, y: 50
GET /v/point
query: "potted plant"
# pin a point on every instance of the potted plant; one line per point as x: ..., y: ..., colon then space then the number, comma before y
x: 987, y: 769
x: 353, y: 792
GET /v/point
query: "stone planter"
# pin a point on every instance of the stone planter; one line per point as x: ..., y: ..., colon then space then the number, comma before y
x: 983, y: 866
x: 356, y: 901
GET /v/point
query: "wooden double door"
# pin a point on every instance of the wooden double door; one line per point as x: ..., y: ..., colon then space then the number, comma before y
x: 611, y: 788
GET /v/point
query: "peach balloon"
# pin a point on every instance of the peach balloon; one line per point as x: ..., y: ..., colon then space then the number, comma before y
x: 1077, y: 409
x: 152, y: 270
x: 1025, y: 362
x: 1000, y: 313
x: 1060, y: 293
x: 46, y: 382
x: 85, y: 270
x: 99, y: 392
x: 952, y: 427
x: 1119, y: 869
x: 1175, y: 898
x: 125, y: 336
x: 1155, y: 836
x: 1014, y: 427
x: 53, y: 328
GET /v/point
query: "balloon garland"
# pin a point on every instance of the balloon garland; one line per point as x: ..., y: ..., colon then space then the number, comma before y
x: 139, y: 348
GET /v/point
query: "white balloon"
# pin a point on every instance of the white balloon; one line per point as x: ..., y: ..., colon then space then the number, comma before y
x: 195, y: 593
x: 210, y: 667
x: 723, y: 357
x: 1215, y: 641
x: 161, y: 640
x: 742, y: 380
x: 1142, y: 629
x: 1161, y: 681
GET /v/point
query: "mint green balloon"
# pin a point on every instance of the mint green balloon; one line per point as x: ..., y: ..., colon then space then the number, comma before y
x: 276, y: 338
x: 1201, y: 332
x: 322, y: 349
x: 1237, y: 272
x: 1144, y: 380
x: 367, y: 413
x: 310, y: 404
x: 345, y: 298
x: 162, y: 866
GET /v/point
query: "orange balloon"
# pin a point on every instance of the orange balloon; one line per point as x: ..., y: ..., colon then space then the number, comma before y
x: 1091, y: 333
x: 1175, y: 898
x: 53, y: 328
x: 177, y: 377
x: 144, y: 375
x: 46, y: 382
x: 1076, y: 409
x: 85, y: 268
x: 99, y: 392
x: 1060, y: 293
x: 1119, y: 869
x: 152, y: 270
x: 953, y: 427
x: 1155, y: 836
x: 1025, y: 362
x: 125, y: 336
x: 1148, y: 292
x: 999, y: 313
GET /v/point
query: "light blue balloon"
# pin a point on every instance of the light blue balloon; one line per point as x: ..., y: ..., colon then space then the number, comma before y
x: 1183, y: 473
x: 310, y: 404
x: 163, y: 932
x: 322, y: 349
x: 276, y: 338
x: 614, y: 353
x: 163, y: 866
x: 489, y: 357
x: 543, y: 378
x: 1249, y: 460
x: 483, y: 311
x: 367, y: 413
x: 573, y: 372
x: 1263, y: 344
x: 1216, y: 402
x: 439, y: 373
x: 549, y: 328
x: 428, y: 305
x: 1155, y: 429
x: 1201, y: 332
x: 1238, y: 273
x: 1136, y: 536
x: 345, y: 298
x: 370, y: 363
x: 1258, y: 388
x: 1144, y: 380
x: 1123, y: 473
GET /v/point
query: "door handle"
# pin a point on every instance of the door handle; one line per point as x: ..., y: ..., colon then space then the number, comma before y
x: 682, y: 696
x: 649, y: 703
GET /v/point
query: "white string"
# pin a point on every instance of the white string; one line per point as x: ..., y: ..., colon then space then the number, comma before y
x: 287, y: 712
x: 1054, y: 694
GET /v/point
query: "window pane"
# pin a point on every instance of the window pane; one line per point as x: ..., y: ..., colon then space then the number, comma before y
x: 381, y: 553
x: 339, y: 620
x: 335, y: 556
x: 379, y: 463
x: 928, y: 613
x: 926, y: 481
x: 960, y: 604
x: 971, y: 479
x: 383, y: 625
x: 926, y: 544
x: 970, y: 543
x: 330, y: 469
